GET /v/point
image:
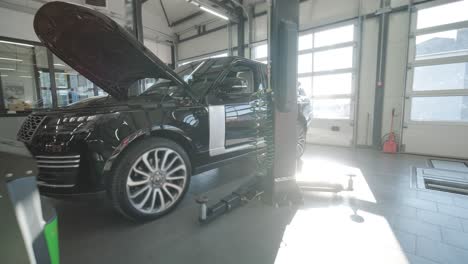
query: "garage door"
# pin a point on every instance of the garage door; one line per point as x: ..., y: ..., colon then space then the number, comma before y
x: 436, y: 112
x: 326, y: 71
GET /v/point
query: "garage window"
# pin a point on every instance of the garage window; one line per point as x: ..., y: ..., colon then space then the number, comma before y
x: 438, y: 64
x: 25, y: 83
x: 260, y: 53
x: 72, y: 86
x: 24, y: 79
x: 326, y: 70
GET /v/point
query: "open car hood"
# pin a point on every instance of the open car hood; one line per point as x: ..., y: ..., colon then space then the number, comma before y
x: 98, y: 48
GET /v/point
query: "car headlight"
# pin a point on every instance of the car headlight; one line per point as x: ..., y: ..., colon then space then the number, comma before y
x: 78, y: 119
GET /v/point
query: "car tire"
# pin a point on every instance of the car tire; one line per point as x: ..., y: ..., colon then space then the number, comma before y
x: 301, y: 139
x: 150, y: 179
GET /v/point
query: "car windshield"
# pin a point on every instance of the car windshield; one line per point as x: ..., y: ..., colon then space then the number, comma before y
x: 201, y: 75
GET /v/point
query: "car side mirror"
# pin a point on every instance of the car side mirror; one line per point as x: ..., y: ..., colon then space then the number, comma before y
x: 232, y: 86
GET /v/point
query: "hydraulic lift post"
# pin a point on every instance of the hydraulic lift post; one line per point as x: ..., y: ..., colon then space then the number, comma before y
x: 278, y: 187
x: 283, y: 22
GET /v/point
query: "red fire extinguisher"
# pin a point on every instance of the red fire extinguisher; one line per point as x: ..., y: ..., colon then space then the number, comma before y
x: 390, y: 145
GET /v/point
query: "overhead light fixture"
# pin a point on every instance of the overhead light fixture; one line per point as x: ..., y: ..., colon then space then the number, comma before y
x: 3, y: 75
x: 194, y: 3
x: 6, y: 69
x: 16, y: 43
x: 207, y: 9
x: 214, y: 13
x: 25, y: 76
x: 59, y: 64
x: 10, y: 59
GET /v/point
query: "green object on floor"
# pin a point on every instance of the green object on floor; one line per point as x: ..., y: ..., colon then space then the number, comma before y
x: 51, y: 236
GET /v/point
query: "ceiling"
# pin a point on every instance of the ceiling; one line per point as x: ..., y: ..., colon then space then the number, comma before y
x: 177, y: 9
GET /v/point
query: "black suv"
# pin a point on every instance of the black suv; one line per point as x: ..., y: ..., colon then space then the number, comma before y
x: 157, y: 127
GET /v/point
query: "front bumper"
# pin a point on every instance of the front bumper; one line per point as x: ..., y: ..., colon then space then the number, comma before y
x: 68, y: 164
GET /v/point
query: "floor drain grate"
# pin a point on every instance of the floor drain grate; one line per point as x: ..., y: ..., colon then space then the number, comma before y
x: 441, y: 180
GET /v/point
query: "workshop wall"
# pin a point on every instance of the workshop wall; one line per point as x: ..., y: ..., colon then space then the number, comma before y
x: 317, y: 13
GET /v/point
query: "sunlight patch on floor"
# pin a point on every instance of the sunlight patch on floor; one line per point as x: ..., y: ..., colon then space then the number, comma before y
x: 339, y: 235
x: 316, y: 170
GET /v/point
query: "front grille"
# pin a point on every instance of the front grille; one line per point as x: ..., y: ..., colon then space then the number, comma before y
x: 29, y: 127
x: 58, y: 162
x: 58, y: 171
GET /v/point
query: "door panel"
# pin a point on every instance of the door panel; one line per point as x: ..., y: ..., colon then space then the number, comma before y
x: 436, y: 140
x: 233, y: 103
x: 436, y: 96
x: 330, y: 132
x: 240, y: 121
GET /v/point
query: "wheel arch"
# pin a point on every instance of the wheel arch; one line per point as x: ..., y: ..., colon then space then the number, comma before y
x: 170, y: 133
x: 301, y: 118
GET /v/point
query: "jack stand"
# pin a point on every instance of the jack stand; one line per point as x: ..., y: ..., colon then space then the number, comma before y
x: 350, y: 182
x: 239, y: 197
x: 286, y: 192
x: 328, y: 187
x: 202, y: 201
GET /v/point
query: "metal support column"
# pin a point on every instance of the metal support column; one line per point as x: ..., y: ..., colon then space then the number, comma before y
x: 53, y: 84
x: 380, y: 75
x: 280, y: 184
x: 37, y: 79
x: 240, y: 32
x: 134, y: 18
x: 251, y: 15
x: 229, y: 30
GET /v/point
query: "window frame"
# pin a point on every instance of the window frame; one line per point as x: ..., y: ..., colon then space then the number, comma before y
x: 260, y: 59
x: 3, y: 108
x: 242, y: 63
x: 354, y: 44
x: 50, y: 69
x: 414, y: 63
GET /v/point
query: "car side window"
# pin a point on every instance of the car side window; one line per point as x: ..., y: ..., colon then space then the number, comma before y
x: 239, y: 81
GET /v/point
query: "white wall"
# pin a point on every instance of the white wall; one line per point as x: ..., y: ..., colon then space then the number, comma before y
x: 316, y: 13
x: 16, y: 21
x: 209, y: 43
x: 15, y: 24
x: 161, y: 50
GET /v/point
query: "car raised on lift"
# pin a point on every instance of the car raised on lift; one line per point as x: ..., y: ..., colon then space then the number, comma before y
x: 155, y: 129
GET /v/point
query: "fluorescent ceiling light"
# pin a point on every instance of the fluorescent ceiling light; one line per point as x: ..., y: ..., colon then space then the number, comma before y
x: 10, y: 59
x: 6, y: 69
x: 25, y: 76
x: 3, y: 75
x: 16, y: 43
x: 58, y: 64
x: 194, y: 3
x: 209, y: 10
x: 214, y: 13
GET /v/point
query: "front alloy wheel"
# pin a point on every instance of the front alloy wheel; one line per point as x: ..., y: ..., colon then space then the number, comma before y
x: 157, y: 180
x: 151, y: 178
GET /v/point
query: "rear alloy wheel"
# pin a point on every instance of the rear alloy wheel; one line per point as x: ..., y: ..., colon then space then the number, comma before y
x: 155, y: 182
x: 301, y: 139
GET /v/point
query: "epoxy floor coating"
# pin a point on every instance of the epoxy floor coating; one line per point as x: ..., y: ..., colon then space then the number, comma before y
x: 383, y: 220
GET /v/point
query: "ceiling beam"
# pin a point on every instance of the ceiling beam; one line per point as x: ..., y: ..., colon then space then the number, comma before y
x: 224, y: 5
x: 185, y: 19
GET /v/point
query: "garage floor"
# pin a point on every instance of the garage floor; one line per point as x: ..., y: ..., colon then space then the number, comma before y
x: 383, y: 220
